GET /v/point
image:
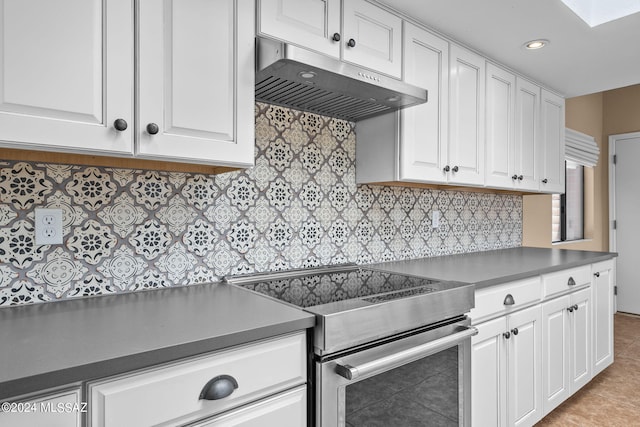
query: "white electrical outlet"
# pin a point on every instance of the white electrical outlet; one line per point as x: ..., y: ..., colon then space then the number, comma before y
x: 435, y: 219
x: 48, y: 226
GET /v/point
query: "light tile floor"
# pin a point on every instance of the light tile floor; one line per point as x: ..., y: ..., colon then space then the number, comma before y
x: 612, y: 398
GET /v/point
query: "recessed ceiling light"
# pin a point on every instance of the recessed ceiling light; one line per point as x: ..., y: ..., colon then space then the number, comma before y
x: 536, y: 44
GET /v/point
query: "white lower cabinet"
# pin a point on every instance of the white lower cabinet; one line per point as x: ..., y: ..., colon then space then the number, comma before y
x: 566, y: 346
x: 539, y: 341
x: 602, y: 298
x: 59, y: 409
x: 227, y: 382
x: 506, y: 370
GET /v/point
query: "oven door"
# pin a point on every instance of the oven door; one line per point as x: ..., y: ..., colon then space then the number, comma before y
x: 422, y: 379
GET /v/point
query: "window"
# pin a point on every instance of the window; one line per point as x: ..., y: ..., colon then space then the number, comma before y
x: 567, y: 210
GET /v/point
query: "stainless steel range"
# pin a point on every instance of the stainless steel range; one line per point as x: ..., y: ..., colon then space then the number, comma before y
x: 390, y: 349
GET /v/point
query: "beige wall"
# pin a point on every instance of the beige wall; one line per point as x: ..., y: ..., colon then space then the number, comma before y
x: 600, y: 115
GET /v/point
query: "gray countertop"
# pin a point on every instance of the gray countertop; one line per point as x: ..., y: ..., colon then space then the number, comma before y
x: 494, y: 267
x: 52, y: 344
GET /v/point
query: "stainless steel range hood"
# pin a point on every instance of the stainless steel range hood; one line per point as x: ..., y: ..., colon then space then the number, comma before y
x: 294, y: 77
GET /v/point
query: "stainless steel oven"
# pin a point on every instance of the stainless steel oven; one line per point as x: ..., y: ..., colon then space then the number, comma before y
x: 421, y: 379
x: 388, y: 349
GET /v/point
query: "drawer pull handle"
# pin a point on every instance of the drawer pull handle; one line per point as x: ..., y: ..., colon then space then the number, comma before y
x: 508, y: 300
x: 571, y: 282
x: 219, y: 388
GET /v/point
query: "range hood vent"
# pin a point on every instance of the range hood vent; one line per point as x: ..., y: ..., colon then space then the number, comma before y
x: 294, y: 77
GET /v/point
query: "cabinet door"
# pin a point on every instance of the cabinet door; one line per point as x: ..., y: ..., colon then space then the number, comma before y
x: 489, y: 374
x: 501, y: 95
x: 287, y: 409
x: 602, y: 303
x: 423, y: 128
x: 63, y: 409
x: 556, y: 384
x: 552, y: 145
x: 466, y: 117
x: 526, y: 140
x: 580, y: 339
x: 525, y: 370
x: 66, y: 74
x: 196, y: 81
x: 376, y: 35
x: 308, y: 23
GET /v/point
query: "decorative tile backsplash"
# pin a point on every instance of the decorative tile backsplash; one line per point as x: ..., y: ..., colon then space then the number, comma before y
x: 129, y: 230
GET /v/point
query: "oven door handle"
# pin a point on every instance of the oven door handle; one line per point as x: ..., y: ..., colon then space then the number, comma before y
x: 405, y: 356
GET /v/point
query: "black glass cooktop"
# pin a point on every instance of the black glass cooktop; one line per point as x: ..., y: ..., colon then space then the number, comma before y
x: 325, y: 287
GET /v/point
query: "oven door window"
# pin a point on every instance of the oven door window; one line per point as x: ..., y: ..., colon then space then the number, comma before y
x: 421, y: 393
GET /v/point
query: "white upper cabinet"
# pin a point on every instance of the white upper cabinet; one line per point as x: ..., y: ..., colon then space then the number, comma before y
x: 66, y: 75
x: 196, y: 81
x: 500, y: 115
x: 411, y: 145
x: 308, y: 23
x: 513, y: 128
x: 423, y: 128
x: 465, y: 162
x: 372, y: 37
x: 441, y: 141
x: 526, y: 138
x: 68, y: 83
x: 361, y: 32
x: 552, y: 145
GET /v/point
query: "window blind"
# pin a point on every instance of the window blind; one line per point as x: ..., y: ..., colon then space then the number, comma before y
x: 581, y: 148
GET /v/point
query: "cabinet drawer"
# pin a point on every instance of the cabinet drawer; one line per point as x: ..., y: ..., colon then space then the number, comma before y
x: 287, y: 409
x: 493, y: 301
x: 565, y: 280
x: 170, y: 394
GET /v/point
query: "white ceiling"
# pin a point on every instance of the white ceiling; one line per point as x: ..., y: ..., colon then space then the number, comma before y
x: 579, y: 59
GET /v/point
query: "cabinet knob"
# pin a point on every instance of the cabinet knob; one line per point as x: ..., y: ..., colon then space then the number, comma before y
x: 544, y: 181
x: 218, y: 388
x: 597, y: 274
x: 575, y: 307
x: 446, y: 168
x: 571, y: 282
x: 514, y: 331
x: 152, y: 128
x: 570, y: 309
x: 455, y: 169
x: 120, y: 124
x: 351, y: 43
x: 336, y: 37
x: 508, y: 300
x: 507, y: 335
x: 514, y: 177
x: 520, y: 178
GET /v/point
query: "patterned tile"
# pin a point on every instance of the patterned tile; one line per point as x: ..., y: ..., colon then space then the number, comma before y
x: 23, y: 186
x: 299, y: 206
